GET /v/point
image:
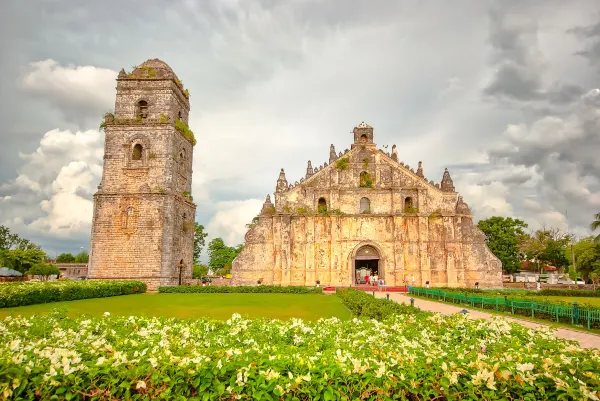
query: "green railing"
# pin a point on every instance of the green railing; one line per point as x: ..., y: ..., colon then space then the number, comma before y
x: 574, y: 314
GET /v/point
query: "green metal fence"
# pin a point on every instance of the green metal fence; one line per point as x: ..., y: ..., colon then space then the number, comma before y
x: 574, y: 314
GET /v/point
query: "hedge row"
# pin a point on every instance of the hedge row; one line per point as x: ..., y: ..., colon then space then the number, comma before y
x: 263, y: 289
x: 547, y: 292
x: 27, y: 293
x: 364, y: 305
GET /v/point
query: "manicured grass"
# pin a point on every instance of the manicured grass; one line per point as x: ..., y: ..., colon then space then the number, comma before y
x: 580, y: 300
x: 216, y: 306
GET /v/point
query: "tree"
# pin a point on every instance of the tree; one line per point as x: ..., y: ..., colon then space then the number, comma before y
x: 13, y: 241
x: 199, y: 271
x: 22, y: 259
x: 547, y: 245
x: 65, y: 258
x: 220, y: 255
x: 596, y: 225
x: 199, y: 241
x: 44, y: 270
x: 82, y: 257
x: 502, y: 236
x: 587, y: 257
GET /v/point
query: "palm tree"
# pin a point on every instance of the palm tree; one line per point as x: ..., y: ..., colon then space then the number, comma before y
x: 596, y: 225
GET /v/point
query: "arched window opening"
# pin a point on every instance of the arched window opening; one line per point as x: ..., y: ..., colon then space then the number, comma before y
x: 408, y: 204
x: 142, y: 109
x: 322, y: 207
x: 180, y: 115
x: 137, y: 152
x: 366, y: 180
x: 365, y: 205
x: 364, y: 139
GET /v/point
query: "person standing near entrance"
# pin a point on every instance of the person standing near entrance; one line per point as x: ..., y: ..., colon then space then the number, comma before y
x: 375, y: 279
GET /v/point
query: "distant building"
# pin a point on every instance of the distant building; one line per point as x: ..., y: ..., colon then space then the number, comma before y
x: 365, y: 212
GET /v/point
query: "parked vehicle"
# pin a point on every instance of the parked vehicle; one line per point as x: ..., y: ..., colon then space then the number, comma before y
x: 205, y: 280
x: 579, y: 280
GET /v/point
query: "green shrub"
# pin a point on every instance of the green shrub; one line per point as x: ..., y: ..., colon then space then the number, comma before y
x: 364, y: 305
x: 256, y: 289
x: 27, y: 293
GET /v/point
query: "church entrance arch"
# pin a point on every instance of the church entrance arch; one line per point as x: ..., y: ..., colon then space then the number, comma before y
x: 366, y: 263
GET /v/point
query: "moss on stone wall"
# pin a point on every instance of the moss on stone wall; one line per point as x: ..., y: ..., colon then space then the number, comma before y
x: 185, y: 131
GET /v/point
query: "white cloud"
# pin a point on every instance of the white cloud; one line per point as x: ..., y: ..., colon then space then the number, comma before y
x: 79, y: 92
x: 229, y: 222
x: 55, y: 184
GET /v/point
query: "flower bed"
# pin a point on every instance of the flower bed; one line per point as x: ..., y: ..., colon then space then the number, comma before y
x: 408, y: 356
x: 27, y: 293
x: 262, y: 289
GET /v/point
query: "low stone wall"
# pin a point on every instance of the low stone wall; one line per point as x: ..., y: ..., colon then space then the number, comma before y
x: 215, y: 281
x: 532, y: 286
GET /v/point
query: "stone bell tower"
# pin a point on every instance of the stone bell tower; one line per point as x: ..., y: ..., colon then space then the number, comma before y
x: 143, y: 222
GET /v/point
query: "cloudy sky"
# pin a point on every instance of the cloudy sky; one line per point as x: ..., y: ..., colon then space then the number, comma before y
x: 503, y: 93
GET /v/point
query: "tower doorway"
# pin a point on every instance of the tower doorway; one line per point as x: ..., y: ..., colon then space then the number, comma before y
x: 366, y: 265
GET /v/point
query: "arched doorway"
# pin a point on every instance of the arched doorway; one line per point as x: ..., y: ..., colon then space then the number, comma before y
x: 366, y: 263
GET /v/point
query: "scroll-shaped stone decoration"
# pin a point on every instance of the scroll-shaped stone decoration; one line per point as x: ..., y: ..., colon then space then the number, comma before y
x: 462, y: 207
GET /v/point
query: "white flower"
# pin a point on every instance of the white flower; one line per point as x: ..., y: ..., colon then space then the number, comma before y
x: 140, y: 384
x: 106, y: 313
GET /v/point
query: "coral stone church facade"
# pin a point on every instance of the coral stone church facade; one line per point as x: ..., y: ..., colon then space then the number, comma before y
x: 366, y: 212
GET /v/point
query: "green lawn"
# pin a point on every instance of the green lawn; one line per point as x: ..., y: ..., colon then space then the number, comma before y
x: 216, y: 306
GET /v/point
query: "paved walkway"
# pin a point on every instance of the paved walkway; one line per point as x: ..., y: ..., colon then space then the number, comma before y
x: 586, y: 340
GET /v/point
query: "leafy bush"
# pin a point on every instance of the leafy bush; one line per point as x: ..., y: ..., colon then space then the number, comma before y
x: 408, y: 356
x: 44, y: 270
x: 262, y: 289
x: 551, y: 292
x: 24, y: 293
x: 342, y: 163
x: 364, y: 305
x: 546, y: 292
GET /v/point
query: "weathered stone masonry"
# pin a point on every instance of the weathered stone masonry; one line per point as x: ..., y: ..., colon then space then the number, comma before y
x: 373, y: 208
x: 143, y: 222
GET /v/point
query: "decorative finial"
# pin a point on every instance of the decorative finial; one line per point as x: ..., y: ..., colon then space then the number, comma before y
x: 420, y: 170
x: 267, y: 206
x: 394, y: 153
x: 332, y: 155
x: 309, y: 170
x: 447, y: 185
x: 122, y: 74
x: 281, y: 182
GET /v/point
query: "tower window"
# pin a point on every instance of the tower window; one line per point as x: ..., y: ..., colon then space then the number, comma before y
x: 322, y: 206
x: 137, y: 152
x: 364, y: 139
x: 365, y: 205
x: 142, y: 109
x: 408, y: 204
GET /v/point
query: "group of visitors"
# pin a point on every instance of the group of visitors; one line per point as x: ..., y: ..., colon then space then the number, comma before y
x: 371, y: 279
